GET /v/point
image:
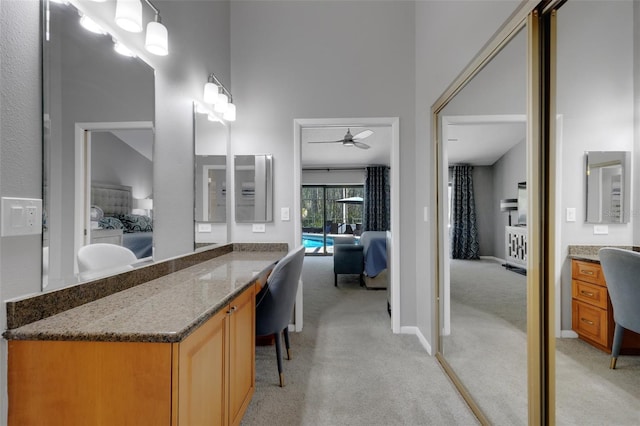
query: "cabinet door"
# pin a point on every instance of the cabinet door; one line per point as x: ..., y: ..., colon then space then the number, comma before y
x: 201, y: 374
x: 242, y: 354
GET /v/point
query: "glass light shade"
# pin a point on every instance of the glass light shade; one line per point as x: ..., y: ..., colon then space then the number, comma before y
x: 230, y: 113
x: 123, y: 50
x: 90, y: 25
x: 221, y: 103
x: 157, y: 40
x: 210, y: 93
x: 129, y: 15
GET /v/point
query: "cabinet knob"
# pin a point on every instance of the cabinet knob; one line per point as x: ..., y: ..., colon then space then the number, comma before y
x: 587, y: 321
x: 586, y: 293
x: 583, y: 271
x: 232, y: 309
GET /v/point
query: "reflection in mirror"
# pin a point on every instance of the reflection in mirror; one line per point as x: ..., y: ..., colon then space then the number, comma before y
x: 211, y: 137
x: 253, y: 188
x: 597, y: 97
x: 98, y: 138
x: 483, y: 302
x: 607, y: 189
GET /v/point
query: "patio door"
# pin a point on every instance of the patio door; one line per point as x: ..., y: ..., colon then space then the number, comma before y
x: 328, y: 211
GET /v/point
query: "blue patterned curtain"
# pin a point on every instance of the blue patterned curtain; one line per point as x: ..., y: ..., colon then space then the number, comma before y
x: 376, y: 199
x: 464, y: 232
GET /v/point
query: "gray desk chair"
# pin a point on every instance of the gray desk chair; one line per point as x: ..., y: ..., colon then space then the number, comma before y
x: 622, y: 273
x: 101, y: 259
x: 348, y: 258
x: 275, y: 301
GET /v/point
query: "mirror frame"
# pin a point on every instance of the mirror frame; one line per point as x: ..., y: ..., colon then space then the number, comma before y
x: 266, y: 179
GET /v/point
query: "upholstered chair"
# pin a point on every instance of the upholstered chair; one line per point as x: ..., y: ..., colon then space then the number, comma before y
x: 348, y: 257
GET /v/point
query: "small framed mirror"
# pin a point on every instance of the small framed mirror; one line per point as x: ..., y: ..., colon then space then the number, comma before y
x: 210, y: 146
x: 607, y: 186
x: 253, y: 188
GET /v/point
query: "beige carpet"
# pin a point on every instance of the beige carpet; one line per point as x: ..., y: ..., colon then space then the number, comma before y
x: 487, y: 348
x: 348, y: 368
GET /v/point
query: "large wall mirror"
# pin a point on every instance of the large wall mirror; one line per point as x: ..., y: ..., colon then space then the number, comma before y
x: 253, y: 188
x: 98, y: 146
x: 211, y: 137
x: 483, y: 304
x: 608, y: 179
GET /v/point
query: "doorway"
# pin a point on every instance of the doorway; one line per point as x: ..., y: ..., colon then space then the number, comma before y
x: 393, y: 125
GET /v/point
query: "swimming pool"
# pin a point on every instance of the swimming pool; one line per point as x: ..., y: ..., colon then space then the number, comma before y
x: 315, y: 241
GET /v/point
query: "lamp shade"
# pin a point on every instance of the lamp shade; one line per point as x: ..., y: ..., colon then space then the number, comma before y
x: 221, y: 103
x: 157, y: 39
x: 508, y: 204
x: 230, y: 113
x: 90, y: 25
x: 210, y: 92
x: 129, y: 15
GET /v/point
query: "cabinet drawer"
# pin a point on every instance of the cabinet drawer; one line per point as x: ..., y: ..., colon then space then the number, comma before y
x: 590, y: 322
x: 587, y: 271
x: 589, y: 293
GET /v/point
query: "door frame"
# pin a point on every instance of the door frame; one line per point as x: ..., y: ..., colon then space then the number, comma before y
x: 394, y: 172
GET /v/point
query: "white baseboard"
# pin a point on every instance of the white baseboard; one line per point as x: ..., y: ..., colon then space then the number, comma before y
x: 568, y: 334
x: 496, y: 259
x: 416, y: 331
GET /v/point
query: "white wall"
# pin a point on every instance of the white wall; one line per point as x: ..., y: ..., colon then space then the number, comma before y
x: 333, y: 177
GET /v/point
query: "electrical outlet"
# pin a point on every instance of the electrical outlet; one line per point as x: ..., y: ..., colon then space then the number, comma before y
x: 204, y: 227
x: 21, y: 216
x: 284, y: 213
x: 571, y: 214
x: 258, y: 227
x: 600, y: 229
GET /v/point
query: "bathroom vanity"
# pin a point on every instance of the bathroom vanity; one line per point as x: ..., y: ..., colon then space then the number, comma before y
x: 174, y: 350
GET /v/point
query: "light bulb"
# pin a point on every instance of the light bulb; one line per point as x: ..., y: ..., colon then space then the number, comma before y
x: 122, y: 49
x: 129, y: 15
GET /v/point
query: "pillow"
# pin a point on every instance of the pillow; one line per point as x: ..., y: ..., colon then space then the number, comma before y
x: 136, y: 223
x: 110, y: 223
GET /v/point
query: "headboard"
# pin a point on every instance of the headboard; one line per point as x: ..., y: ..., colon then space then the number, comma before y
x: 112, y: 199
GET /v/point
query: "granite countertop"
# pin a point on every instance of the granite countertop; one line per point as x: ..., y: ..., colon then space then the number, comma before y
x: 165, y: 309
x: 590, y: 252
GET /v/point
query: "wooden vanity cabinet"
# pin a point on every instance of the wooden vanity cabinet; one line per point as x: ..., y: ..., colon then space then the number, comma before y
x: 206, y: 379
x: 592, y: 313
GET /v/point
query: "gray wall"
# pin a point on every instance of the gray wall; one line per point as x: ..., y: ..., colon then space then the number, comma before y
x: 324, y: 60
x: 510, y: 169
x: 596, y: 103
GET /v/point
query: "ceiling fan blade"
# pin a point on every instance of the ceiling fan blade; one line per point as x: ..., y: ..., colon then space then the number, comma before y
x: 363, y: 134
x: 338, y: 141
x: 361, y: 145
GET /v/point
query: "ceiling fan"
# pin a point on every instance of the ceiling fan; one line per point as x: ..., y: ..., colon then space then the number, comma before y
x: 351, y: 140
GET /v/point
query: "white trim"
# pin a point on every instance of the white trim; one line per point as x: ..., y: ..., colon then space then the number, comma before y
x: 298, y: 308
x: 569, y: 334
x: 495, y: 259
x: 416, y: 331
x: 394, y: 123
x: 558, y: 232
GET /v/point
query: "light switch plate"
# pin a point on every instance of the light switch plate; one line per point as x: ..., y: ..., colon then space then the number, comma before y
x: 571, y: 214
x: 258, y: 227
x: 426, y: 213
x: 284, y: 213
x: 21, y: 216
x: 600, y: 229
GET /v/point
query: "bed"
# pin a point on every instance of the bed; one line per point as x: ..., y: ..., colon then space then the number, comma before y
x: 374, y: 246
x: 113, y: 206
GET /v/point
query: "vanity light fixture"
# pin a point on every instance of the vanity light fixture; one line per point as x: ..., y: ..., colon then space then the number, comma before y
x: 215, y: 93
x: 90, y: 25
x: 129, y: 15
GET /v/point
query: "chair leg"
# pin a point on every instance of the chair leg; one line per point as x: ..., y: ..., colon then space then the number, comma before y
x: 279, y: 357
x: 617, y: 344
x: 286, y: 342
x: 335, y: 280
